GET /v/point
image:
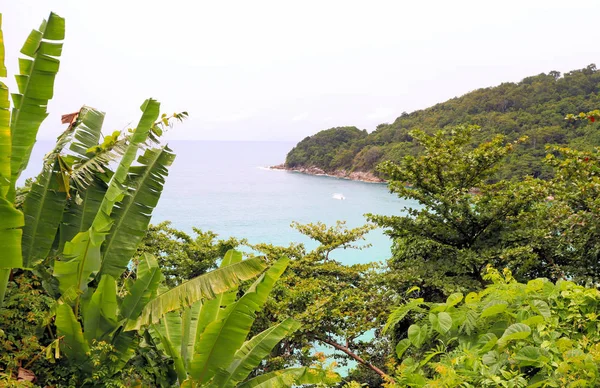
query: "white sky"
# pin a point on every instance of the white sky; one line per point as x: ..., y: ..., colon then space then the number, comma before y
x: 282, y: 70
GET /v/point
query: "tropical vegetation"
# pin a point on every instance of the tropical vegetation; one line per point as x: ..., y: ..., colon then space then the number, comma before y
x: 492, y: 279
x: 535, y: 107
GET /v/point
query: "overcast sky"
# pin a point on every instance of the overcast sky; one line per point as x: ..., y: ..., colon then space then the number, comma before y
x: 282, y: 70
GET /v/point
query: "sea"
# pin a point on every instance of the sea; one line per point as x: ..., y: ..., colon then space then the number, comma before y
x: 228, y: 188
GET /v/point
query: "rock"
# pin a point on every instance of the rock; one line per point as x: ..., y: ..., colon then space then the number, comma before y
x: 363, y: 176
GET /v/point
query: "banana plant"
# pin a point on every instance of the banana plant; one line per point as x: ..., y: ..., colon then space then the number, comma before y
x: 113, y: 319
x: 19, y: 127
x: 207, y: 340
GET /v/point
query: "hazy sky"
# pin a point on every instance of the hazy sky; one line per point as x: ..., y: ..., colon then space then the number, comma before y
x: 282, y: 70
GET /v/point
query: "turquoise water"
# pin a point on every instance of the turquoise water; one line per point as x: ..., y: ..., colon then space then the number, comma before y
x: 225, y: 187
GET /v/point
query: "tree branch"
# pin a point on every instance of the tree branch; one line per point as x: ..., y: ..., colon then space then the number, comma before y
x: 353, y: 355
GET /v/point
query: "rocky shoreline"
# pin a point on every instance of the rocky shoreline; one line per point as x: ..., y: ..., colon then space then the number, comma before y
x: 342, y: 174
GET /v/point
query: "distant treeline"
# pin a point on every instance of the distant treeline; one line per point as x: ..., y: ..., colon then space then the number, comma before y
x: 535, y: 107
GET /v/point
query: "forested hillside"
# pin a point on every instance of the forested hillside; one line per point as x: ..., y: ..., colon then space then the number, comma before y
x: 535, y: 107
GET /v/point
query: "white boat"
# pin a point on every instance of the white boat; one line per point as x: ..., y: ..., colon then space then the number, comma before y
x: 338, y: 196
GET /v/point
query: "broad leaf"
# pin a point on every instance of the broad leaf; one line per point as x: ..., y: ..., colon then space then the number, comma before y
x: 487, y: 342
x: 43, y: 209
x: 143, y: 290
x: 543, y: 308
x: 132, y: 215
x: 82, y: 254
x: 530, y: 356
x: 515, y: 331
x: 205, y: 286
x: 493, y: 308
x: 222, y: 338
x: 454, y: 299
x: 441, y: 322
x: 67, y: 326
x: 169, y: 332
x: 78, y: 217
x: 417, y: 334
x: 215, y: 307
x: 11, y: 221
x: 35, y: 87
x: 402, y: 346
x: 399, y: 314
x: 287, y: 378
x: 100, y: 315
x: 252, y: 353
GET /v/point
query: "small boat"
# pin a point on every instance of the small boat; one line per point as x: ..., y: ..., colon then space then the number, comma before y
x: 338, y: 196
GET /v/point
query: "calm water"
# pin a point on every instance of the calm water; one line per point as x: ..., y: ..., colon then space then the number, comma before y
x: 225, y: 187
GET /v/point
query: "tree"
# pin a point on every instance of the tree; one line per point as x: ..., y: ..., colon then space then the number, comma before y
x: 338, y: 306
x: 465, y: 222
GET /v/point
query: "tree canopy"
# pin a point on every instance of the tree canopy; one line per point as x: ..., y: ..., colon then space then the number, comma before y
x: 535, y: 107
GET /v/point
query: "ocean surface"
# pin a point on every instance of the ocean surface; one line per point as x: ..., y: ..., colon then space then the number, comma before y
x: 226, y: 187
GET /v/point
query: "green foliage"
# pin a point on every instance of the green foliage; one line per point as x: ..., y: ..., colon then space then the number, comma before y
x: 322, y: 149
x: 181, y: 256
x: 208, y: 340
x: 534, y: 334
x: 535, y: 107
x: 463, y: 222
x: 19, y: 127
x: 339, y: 306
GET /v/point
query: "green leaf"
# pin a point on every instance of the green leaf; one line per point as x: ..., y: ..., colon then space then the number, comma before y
x: 399, y: 314
x: 82, y: 262
x: 515, y: 331
x: 530, y: 356
x: 418, y: 334
x: 454, y: 299
x: 125, y: 344
x: 169, y: 331
x: 494, y: 307
x: 442, y: 322
x: 487, y: 342
x: 190, y: 319
x: 223, y: 337
x: 67, y: 326
x: 543, y: 308
x: 100, y: 314
x: 533, y: 320
x: 82, y: 256
x: 287, y: 378
x: 143, y: 289
x: 2, y: 53
x: 43, y: 209
x: 78, y: 217
x: 214, y: 308
x: 205, y: 286
x: 252, y: 353
x: 11, y: 221
x: 401, y: 347
x: 36, y: 87
x: 132, y: 215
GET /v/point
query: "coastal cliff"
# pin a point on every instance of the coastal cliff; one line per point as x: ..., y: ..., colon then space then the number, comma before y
x: 363, y: 176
